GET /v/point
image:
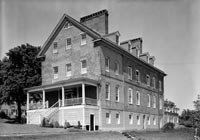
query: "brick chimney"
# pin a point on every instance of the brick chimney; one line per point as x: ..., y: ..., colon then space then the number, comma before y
x: 97, y: 21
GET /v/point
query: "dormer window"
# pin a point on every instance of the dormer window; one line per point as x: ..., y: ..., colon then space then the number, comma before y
x: 83, y: 39
x: 55, y: 47
x: 67, y: 25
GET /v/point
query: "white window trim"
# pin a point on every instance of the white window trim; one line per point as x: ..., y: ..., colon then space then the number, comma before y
x: 68, y: 73
x: 117, y: 70
x: 55, y: 75
x: 108, y: 120
x: 108, y: 91
x: 138, y: 119
x: 83, y: 42
x: 154, y: 120
x: 118, y: 119
x: 131, y: 91
x: 137, y: 99
x: 55, y: 50
x: 149, y: 100
x: 130, y: 119
x: 148, y: 80
x: 117, y: 93
x: 160, y: 104
x: 137, y: 71
x: 154, y: 101
x: 107, y: 68
x: 148, y: 120
x: 130, y: 77
x: 67, y: 47
x: 83, y: 70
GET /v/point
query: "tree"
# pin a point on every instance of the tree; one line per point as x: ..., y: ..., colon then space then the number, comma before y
x: 19, y: 69
x: 197, y: 104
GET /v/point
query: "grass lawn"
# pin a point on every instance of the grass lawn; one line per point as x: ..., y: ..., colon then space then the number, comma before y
x: 34, y: 132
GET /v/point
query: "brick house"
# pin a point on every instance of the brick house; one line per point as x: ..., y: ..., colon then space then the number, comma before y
x: 89, y: 76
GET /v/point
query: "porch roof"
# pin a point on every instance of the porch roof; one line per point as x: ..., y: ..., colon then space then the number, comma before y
x: 69, y: 82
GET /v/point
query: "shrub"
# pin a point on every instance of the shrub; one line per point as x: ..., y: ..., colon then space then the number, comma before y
x: 188, y: 124
x: 23, y: 120
x: 66, y: 125
x: 168, y: 126
x: 3, y: 115
x: 45, y: 122
x: 56, y: 124
x: 79, y: 125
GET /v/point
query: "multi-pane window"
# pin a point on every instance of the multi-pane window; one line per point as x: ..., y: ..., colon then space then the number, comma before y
x: 148, y: 120
x: 117, y: 93
x: 83, y: 38
x: 148, y: 101
x: 154, y: 82
x: 160, y: 86
x: 68, y: 69
x: 83, y: 66
x: 108, y: 118
x: 130, y: 73
x: 107, y: 63
x: 107, y: 91
x: 154, y: 120
x: 67, y: 25
x: 154, y: 101
x: 137, y: 75
x: 116, y: 68
x: 130, y: 96
x: 118, y: 118
x: 138, y: 119
x: 55, y: 72
x: 55, y: 47
x: 148, y: 80
x: 68, y: 43
x: 161, y: 104
x: 137, y: 98
x: 130, y: 119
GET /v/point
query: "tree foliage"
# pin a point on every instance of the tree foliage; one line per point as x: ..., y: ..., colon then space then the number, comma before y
x: 18, y: 70
x: 197, y: 105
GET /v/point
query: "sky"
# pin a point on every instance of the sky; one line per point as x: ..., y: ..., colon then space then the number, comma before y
x: 170, y: 30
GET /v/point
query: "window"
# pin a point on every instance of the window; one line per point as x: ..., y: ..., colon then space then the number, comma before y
x: 55, y: 72
x: 83, y: 66
x: 154, y: 82
x: 130, y: 96
x: 154, y: 101
x: 118, y: 118
x: 138, y: 120
x: 129, y: 48
x: 67, y: 25
x: 68, y: 69
x: 137, y: 52
x: 55, y: 47
x: 161, y: 104
x: 130, y: 73
x: 137, y: 75
x: 148, y: 80
x: 154, y: 121
x: 108, y: 118
x: 107, y: 91
x: 148, y: 120
x: 107, y: 63
x: 83, y: 39
x: 137, y: 98
x: 148, y: 101
x: 160, y: 86
x: 130, y: 119
x: 68, y: 43
x: 161, y: 123
x: 116, y: 68
x: 117, y: 93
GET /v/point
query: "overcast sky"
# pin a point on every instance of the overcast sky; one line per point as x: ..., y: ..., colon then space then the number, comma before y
x: 170, y: 30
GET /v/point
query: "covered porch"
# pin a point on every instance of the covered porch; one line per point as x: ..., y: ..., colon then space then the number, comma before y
x: 84, y: 92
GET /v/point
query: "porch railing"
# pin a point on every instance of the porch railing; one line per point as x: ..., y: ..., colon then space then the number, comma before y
x: 38, y: 105
x: 78, y: 101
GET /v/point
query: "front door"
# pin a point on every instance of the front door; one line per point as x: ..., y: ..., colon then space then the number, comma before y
x: 91, y: 122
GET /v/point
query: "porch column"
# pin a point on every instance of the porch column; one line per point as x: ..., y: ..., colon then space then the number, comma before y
x: 27, y: 101
x: 63, y: 96
x: 83, y: 93
x: 43, y: 98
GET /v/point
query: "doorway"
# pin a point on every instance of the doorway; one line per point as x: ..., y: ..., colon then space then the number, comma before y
x: 91, y: 122
x: 144, y: 122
